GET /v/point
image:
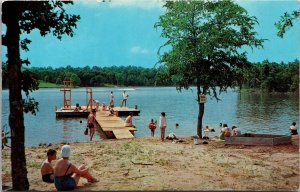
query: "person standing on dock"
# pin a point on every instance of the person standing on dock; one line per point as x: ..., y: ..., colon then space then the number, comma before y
x: 124, y: 96
x: 162, y: 125
x: 91, y: 123
x: 112, y: 101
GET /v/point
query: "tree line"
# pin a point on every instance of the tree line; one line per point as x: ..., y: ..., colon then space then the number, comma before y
x: 268, y: 76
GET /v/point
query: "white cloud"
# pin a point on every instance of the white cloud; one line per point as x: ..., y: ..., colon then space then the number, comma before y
x: 144, y: 4
x: 139, y: 50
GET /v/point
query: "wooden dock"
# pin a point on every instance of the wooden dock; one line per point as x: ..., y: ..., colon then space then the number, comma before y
x: 113, y: 126
x: 124, y: 111
x: 69, y: 112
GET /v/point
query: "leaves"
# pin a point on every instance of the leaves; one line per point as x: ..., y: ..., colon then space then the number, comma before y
x: 286, y: 22
x: 204, y: 41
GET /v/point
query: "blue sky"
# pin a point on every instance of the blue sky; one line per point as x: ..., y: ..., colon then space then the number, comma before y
x: 121, y: 33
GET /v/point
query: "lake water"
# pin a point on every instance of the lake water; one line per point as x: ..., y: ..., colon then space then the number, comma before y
x: 251, y: 112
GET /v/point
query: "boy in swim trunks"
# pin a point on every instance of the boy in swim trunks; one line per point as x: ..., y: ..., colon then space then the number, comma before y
x: 47, y: 169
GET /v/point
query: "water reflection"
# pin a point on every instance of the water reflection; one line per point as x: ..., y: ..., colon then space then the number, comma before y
x: 266, y: 113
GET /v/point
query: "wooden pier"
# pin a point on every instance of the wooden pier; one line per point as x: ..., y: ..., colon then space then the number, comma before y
x: 124, y: 111
x: 113, y: 126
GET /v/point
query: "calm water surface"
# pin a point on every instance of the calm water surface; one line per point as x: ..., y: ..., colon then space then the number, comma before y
x: 252, y: 112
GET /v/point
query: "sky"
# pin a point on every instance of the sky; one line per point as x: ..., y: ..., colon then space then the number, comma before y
x: 122, y: 33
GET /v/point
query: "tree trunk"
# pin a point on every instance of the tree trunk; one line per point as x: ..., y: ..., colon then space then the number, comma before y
x: 16, y: 116
x: 200, y: 117
x: 200, y: 112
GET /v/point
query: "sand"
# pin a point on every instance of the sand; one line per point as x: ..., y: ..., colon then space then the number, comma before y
x: 149, y: 164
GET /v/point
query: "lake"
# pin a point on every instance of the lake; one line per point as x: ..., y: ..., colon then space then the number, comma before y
x: 251, y: 112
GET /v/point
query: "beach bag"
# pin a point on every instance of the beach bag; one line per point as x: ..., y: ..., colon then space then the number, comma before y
x: 86, y: 131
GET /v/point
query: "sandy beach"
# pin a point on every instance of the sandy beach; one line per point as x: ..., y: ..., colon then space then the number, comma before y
x: 149, y: 164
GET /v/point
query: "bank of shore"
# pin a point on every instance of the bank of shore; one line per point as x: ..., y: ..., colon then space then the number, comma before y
x: 149, y: 164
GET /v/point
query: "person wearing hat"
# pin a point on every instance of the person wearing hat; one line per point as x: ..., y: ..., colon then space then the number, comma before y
x: 67, y: 175
x: 91, y: 123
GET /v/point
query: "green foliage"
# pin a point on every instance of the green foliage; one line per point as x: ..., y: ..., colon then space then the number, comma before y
x: 204, y: 41
x: 23, y: 17
x: 97, y: 76
x: 286, y: 22
x: 273, y: 77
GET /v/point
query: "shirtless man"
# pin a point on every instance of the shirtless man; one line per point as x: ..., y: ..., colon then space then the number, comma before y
x: 128, y: 121
x: 47, y: 169
x: 91, y: 123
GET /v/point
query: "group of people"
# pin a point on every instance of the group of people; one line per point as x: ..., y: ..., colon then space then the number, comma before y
x: 162, y: 126
x: 64, y: 174
x: 112, y: 101
x: 225, y: 131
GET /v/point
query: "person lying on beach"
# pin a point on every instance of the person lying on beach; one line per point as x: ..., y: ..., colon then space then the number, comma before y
x: 171, y: 136
x: 47, y: 169
x: 67, y: 175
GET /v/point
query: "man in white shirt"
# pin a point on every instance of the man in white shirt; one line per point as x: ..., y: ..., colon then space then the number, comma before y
x: 124, y: 96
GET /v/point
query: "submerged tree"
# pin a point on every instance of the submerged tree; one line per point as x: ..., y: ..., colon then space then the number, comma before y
x: 204, y: 45
x: 23, y: 17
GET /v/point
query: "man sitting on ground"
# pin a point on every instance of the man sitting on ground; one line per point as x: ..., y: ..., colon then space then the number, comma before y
x: 47, y: 169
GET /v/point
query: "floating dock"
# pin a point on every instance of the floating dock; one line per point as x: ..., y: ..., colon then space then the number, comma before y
x: 69, y: 112
x: 113, y: 126
x: 124, y: 111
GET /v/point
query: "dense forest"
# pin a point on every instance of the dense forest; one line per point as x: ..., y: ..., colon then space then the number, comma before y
x: 269, y: 76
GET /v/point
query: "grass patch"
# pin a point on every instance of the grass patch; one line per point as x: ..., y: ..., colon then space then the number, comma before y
x: 34, y: 164
x: 43, y: 84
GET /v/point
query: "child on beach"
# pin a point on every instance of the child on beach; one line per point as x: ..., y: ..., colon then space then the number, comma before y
x: 152, y: 127
x: 47, y: 169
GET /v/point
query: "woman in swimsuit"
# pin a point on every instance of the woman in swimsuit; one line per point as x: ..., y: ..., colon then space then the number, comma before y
x: 67, y: 175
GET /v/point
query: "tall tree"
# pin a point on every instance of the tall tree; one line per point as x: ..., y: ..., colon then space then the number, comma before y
x: 23, y: 17
x: 204, y: 45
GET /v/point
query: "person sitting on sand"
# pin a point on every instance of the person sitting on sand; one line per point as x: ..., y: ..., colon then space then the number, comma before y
x: 224, y: 130
x: 227, y: 132
x: 128, y: 120
x: 67, y: 175
x: 293, y: 129
x: 171, y: 136
x: 236, y: 131
x: 47, y: 169
x: 152, y: 127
